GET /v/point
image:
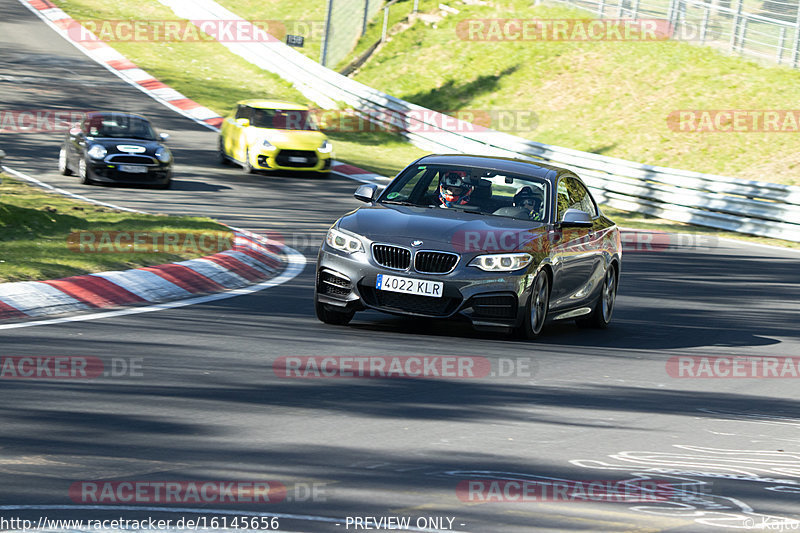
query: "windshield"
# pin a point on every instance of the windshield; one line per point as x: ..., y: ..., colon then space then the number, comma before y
x: 283, y: 120
x: 120, y: 126
x: 488, y: 192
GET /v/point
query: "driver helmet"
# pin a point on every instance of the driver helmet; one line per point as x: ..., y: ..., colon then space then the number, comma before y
x: 527, y: 199
x: 454, y: 189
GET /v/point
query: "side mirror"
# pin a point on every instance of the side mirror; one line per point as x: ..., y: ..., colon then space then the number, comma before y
x: 164, y: 137
x: 366, y: 193
x: 243, y: 122
x: 575, y: 218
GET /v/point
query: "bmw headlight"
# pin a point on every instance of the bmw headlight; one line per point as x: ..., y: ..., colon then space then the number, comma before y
x: 343, y: 242
x: 502, y: 262
x: 325, y: 148
x: 266, y: 145
x: 163, y: 154
x: 97, y: 151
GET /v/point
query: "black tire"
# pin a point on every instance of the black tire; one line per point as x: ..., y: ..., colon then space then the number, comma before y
x: 223, y: 159
x: 164, y: 186
x: 604, y: 306
x: 537, y: 308
x: 330, y: 316
x: 63, y: 166
x: 83, y: 172
x: 246, y: 166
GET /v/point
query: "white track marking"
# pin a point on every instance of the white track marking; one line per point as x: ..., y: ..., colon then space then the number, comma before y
x: 64, y: 192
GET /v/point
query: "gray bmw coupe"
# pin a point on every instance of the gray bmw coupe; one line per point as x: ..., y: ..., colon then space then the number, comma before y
x: 505, y: 243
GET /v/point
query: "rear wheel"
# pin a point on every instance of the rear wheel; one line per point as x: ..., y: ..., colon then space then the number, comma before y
x: 537, y: 308
x: 604, y: 306
x: 63, y: 167
x: 329, y: 315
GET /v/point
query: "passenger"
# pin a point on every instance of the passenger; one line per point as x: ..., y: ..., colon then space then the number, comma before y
x: 530, y: 201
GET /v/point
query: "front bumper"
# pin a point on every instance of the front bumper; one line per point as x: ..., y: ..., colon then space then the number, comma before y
x: 284, y: 159
x: 110, y: 173
x: 487, y: 299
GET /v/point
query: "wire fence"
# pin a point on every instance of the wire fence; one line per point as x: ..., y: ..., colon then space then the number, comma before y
x: 345, y: 22
x: 766, y: 29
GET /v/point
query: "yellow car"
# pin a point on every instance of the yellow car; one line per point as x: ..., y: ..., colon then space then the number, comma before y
x: 274, y: 135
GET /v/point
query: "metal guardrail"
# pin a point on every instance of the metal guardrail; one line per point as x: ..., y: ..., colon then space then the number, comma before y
x: 744, y: 206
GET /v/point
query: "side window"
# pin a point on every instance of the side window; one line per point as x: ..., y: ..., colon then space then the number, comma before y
x: 580, y: 198
x: 562, y: 200
x: 244, y: 112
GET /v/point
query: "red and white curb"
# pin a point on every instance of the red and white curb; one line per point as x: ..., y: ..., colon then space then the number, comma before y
x: 125, y: 69
x: 253, y: 259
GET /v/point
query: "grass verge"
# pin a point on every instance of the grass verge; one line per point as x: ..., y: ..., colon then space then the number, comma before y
x: 35, y: 226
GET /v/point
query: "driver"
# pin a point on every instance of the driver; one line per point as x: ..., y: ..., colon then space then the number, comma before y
x: 454, y: 189
x: 529, y: 201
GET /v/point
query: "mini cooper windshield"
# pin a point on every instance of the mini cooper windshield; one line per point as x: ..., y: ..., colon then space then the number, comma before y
x: 120, y: 126
x: 477, y: 190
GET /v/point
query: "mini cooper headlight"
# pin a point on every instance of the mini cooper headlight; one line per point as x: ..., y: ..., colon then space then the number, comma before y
x: 163, y: 154
x: 266, y: 145
x: 97, y: 151
x: 325, y: 148
x: 502, y: 262
x: 344, y: 242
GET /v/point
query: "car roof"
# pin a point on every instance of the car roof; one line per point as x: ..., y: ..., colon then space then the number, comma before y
x: 114, y: 114
x: 273, y: 104
x: 506, y: 164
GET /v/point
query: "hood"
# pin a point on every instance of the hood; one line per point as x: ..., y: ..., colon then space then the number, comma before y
x: 294, y: 139
x: 116, y: 145
x: 446, y: 229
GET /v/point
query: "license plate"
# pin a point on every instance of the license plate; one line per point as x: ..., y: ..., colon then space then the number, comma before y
x: 133, y: 169
x: 295, y: 159
x: 409, y: 286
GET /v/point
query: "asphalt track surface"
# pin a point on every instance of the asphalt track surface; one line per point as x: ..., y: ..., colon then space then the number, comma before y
x: 208, y: 406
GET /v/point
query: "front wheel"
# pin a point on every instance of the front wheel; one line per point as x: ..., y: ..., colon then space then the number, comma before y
x: 604, y: 307
x: 537, y: 308
x: 63, y: 167
x: 83, y: 172
x: 223, y: 159
x: 248, y: 168
x: 331, y: 316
